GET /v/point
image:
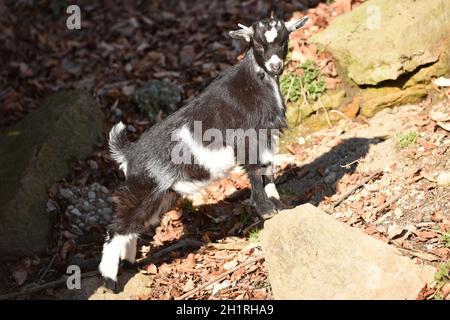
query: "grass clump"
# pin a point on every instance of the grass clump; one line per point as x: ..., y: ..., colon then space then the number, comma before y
x: 407, y: 138
x: 253, y: 235
x: 308, y: 77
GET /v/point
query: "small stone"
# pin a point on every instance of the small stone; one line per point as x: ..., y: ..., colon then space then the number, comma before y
x: 109, y: 199
x: 106, y: 212
x: 91, y: 195
x: 117, y: 112
x: 52, y: 206
x: 75, y: 212
x: 398, y: 212
x: 93, y: 164
x: 329, y: 179
x: 92, y: 220
x: 443, y: 179
x: 75, y: 230
x: 86, y: 206
x: 301, y: 140
x: 104, y: 189
x: 101, y: 201
x: 66, y: 193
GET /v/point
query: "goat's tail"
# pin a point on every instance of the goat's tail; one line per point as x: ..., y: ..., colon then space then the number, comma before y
x: 118, y: 143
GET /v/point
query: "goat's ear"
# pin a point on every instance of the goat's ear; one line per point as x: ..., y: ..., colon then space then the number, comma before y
x: 294, y: 25
x: 245, y: 33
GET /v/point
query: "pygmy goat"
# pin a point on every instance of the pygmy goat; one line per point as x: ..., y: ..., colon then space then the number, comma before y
x: 186, y: 151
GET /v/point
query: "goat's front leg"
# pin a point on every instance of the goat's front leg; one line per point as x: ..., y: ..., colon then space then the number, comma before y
x: 271, y: 190
x: 264, y: 207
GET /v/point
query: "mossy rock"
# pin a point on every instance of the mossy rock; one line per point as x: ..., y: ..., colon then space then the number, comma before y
x: 36, y: 153
x: 295, y: 112
x: 383, y: 39
x: 375, y: 99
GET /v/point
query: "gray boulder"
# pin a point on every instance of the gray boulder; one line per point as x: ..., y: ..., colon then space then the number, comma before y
x: 36, y: 153
x: 312, y: 256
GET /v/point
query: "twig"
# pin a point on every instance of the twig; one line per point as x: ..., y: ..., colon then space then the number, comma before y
x: 386, y: 205
x: 289, y: 91
x: 46, y: 269
x: 341, y: 114
x: 178, y: 245
x: 326, y: 114
x: 218, y: 278
x: 356, y: 187
x: 47, y: 285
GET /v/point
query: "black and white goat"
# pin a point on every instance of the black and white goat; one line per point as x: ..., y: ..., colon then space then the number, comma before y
x: 186, y: 151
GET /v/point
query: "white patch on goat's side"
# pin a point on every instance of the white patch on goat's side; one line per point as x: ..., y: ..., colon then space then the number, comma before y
x: 217, y: 161
x: 116, y: 153
x: 271, y: 191
x: 271, y: 35
x: 112, y: 252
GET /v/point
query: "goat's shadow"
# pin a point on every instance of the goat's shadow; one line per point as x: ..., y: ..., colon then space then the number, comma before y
x: 311, y: 183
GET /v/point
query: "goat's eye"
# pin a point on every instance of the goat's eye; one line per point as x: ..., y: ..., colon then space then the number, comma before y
x: 258, y: 47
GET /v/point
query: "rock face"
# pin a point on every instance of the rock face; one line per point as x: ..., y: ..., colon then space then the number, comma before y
x: 388, y: 51
x: 36, y: 153
x: 312, y: 256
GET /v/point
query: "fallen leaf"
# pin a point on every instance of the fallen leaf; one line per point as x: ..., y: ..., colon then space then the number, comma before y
x: 20, y: 276
x: 445, y: 126
x: 394, y: 230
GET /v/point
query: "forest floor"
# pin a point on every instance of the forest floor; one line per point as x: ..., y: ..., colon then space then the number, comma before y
x: 395, y: 158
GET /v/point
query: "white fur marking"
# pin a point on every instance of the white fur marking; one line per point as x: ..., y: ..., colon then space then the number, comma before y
x: 271, y: 35
x: 266, y: 156
x: 190, y: 187
x: 271, y: 191
x: 273, y: 59
x: 129, y: 251
x: 218, y: 161
x: 112, y: 252
x: 117, y: 154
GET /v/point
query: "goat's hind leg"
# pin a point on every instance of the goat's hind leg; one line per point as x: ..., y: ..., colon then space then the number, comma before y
x: 117, y: 246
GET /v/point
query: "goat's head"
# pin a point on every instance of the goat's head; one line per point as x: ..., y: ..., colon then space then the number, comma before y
x: 269, y: 40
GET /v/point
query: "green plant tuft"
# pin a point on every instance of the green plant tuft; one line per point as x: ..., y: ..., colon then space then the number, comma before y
x: 407, y: 138
x: 309, y: 78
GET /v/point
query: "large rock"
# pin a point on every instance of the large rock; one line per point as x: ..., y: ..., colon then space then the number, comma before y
x: 383, y: 39
x: 36, y: 153
x: 312, y: 256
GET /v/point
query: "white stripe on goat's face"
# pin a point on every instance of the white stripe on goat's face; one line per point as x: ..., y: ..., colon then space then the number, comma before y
x: 271, y: 34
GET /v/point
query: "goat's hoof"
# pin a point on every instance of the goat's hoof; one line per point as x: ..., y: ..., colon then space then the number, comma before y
x: 277, y: 203
x: 267, y: 211
x: 109, y: 285
x: 130, y: 266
